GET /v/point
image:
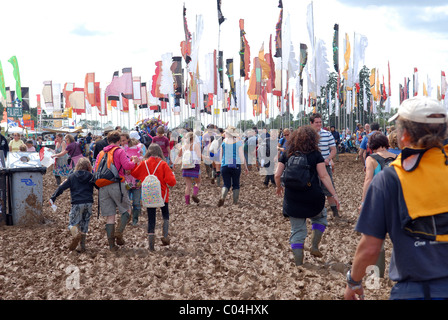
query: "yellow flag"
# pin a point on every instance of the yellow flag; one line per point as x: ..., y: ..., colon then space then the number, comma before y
x: 372, y: 82
x: 425, y: 93
x: 346, y: 57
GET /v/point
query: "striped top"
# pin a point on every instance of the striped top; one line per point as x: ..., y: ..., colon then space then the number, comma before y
x: 326, y: 141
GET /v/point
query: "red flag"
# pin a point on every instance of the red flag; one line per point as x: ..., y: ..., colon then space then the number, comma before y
x: 89, y: 88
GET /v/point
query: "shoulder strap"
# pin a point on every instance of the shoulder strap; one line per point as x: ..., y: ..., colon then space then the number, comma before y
x: 156, y: 167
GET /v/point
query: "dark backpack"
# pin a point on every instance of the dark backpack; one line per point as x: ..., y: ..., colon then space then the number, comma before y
x: 106, y: 172
x: 384, y: 162
x: 145, y: 138
x: 297, y: 174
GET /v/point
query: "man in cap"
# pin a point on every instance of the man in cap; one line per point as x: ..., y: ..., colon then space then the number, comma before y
x: 408, y: 201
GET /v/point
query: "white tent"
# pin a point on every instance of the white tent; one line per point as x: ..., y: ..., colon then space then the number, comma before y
x: 15, y: 130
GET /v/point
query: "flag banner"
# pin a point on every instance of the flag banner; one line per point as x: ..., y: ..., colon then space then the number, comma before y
x: 25, y: 99
x: 39, y: 108
x: 270, y: 84
x: 2, y: 82
x: 415, y: 91
x: 120, y: 85
x: 193, y: 66
x: 156, y: 79
x: 372, y: 82
x: 336, y: 48
x: 230, y: 75
x: 97, y: 96
x: 167, y: 80
x: 310, y: 24
x: 186, y: 44
x: 215, y: 73
x: 322, y: 67
x: 124, y: 104
x: 144, y: 96
x: 244, y: 53
x: 303, y: 58
x: 69, y: 87
x: 346, y: 72
x: 136, y: 82
x: 360, y: 44
x: 388, y: 72
x: 77, y: 101
x: 47, y: 94
x: 278, y: 35
x: 103, y: 110
x: 178, y: 77
x: 16, y: 73
x: 89, y: 88
x: 221, y: 69
x: 221, y: 18
x: 57, y: 97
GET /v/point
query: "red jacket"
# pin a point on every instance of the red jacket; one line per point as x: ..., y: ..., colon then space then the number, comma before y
x: 163, y: 173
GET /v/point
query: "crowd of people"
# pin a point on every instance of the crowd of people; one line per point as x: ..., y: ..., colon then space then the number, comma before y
x: 406, y: 175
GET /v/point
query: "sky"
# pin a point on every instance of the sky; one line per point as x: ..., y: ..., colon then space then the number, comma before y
x: 61, y: 41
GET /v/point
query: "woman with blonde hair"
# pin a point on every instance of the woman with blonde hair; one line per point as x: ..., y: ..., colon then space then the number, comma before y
x: 190, y: 158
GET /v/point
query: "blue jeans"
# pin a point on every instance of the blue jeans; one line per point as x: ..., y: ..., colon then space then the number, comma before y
x: 231, y: 176
x: 80, y: 216
x: 299, y: 228
x: 135, y: 196
x: 152, y: 217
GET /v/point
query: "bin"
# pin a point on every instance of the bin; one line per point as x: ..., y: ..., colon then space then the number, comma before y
x: 4, y: 217
x: 26, y: 187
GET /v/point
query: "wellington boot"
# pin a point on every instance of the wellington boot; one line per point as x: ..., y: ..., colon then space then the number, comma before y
x: 119, y: 233
x: 218, y: 180
x: 151, y: 239
x: 83, y: 243
x: 224, y: 192
x: 110, y: 231
x: 135, y: 215
x: 298, y: 256
x: 316, y: 236
x: 76, y: 237
x: 165, y: 226
x: 236, y: 196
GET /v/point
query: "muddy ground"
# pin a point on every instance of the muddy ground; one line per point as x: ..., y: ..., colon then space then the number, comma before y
x: 236, y: 252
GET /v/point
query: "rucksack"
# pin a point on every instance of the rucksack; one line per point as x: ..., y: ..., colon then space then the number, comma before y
x: 187, y: 160
x: 384, y: 162
x: 152, y: 190
x: 297, y: 174
x: 106, y: 172
x: 83, y: 145
x: 145, y: 138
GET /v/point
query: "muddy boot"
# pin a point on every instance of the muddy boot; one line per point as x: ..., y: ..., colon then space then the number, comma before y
x: 218, y: 178
x: 83, y: 242
x: 110, y: 231
x: 58, y: 180
x: 298, y: 256
x: 165, y: 239
x: 195, y: 194
x: 208, y: 171
x: 135, y: 215
x: 123, y: 222
x: 76, y: 238
x: 224, y: 193
x: 381, y: 263
x: 236, y: 196
x: 316, y: 236
x: 151, y: 239
x: 187, y: 199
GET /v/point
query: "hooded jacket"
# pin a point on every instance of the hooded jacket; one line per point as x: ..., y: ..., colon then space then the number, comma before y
x: 81, y: 189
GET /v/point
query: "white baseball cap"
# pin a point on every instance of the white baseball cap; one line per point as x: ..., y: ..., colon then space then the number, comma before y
x: 134, y: 135
x: 421, y: 110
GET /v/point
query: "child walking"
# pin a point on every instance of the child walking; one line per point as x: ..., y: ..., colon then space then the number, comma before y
x: 81, y: 192
x: 154, y: 163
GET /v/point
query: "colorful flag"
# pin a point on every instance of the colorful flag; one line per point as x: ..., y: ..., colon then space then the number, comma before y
x: 346, y: 57
x: 156, y: 79
x: 47, y: 94
x: 15, y: 64
x: 270, y: 84
x: 89, y: 88
x: 221, y: 18
x: 230, y: 75
x: 120, y: 85
x: 336, y: 48
x: 77, y: 101
x: 244, y: 53
x: 444, y: 86
x: 186, y: 44
x: 415, y: 91
x: 97, y: 96
x: 69, y: 87
x: 278, y: 33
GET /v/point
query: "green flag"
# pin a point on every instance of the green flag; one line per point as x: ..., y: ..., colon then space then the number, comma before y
x: 2, y: 82
x: 13, y: 61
